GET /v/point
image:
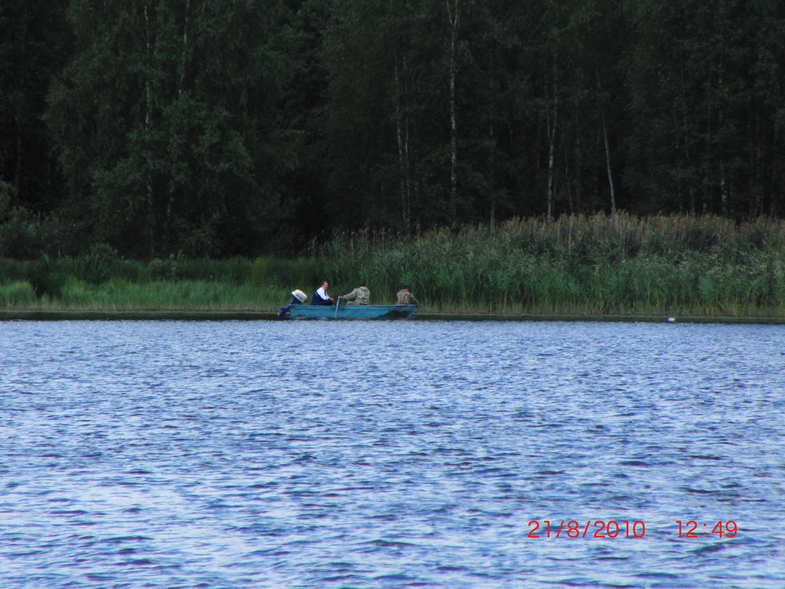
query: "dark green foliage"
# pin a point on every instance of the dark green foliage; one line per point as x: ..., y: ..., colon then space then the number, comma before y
x: 166, y: 125
x: 706, y: 82
x: 178, y: 130
x: 35, y: 42
x: 45, y: 278
x: 25, y: 236
x: 19, y: 238
x: 103, y: 265
x: 299, y: 273
x: 97, y: 269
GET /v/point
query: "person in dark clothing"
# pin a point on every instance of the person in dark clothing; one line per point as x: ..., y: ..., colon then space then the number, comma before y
x: 320, y: 296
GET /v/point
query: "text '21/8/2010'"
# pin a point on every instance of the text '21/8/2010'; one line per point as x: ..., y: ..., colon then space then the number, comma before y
x: 624, y: 529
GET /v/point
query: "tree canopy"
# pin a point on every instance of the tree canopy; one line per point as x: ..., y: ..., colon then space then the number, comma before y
x: 246, y: 127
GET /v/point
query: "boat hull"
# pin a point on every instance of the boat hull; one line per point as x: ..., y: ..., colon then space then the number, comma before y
x: 352, y: 312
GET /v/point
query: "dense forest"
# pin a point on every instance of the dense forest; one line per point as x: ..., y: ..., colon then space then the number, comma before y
x: 217, y: 128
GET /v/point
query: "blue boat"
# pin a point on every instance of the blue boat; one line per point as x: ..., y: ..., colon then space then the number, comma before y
x: 352, y: 311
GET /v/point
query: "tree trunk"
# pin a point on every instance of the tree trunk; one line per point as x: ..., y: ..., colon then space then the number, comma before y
x: 550, y: 121
x: 608, y: 166
x: 491, y: 146
x: 607, y: 150
x: 172, y: 176
x: 453, y: 14
x: 776, y: 195
x: 20, y: 101
x: 402, y: 135
x: 551, y: 152
x: 148, y: 123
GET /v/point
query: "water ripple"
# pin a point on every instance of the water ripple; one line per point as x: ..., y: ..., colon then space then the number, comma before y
x: 390, y: 454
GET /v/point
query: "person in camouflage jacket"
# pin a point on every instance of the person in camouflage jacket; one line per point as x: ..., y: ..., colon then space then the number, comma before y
x: 405, y: 296
x: 359, y: 296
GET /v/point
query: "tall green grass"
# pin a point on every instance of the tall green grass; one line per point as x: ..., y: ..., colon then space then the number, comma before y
x: 16, y: 294
x: 596, y: 265
x: 577, y: 265
x: 187, y: 295
x: 101, y: 283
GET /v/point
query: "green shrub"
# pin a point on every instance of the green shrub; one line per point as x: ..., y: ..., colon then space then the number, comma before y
x: 297, y: 273
x: 16, y: 294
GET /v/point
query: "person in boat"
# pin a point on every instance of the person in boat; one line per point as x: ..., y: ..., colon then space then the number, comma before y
x: 320, y: 297
x: 405, y: 296
x: 359, y: 296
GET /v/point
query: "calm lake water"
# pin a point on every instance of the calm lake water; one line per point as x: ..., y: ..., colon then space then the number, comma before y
x: 391, y: 454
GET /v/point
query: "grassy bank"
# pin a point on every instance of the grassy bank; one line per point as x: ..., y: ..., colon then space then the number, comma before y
x: 105, y: 284
x: 676, y: 265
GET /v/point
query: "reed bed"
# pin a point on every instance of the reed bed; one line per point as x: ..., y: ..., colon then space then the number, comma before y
x: 120, y: 295
x: 599, y: 265
x: 185, y: 295
x: 579, y: 265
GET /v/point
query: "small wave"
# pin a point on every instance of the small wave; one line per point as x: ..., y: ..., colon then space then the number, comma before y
x: 709, y: 548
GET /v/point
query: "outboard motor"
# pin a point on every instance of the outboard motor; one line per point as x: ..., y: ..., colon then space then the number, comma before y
x: 298, y: 298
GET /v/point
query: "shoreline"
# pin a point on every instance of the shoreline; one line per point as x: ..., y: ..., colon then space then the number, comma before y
x: 175, y: 315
